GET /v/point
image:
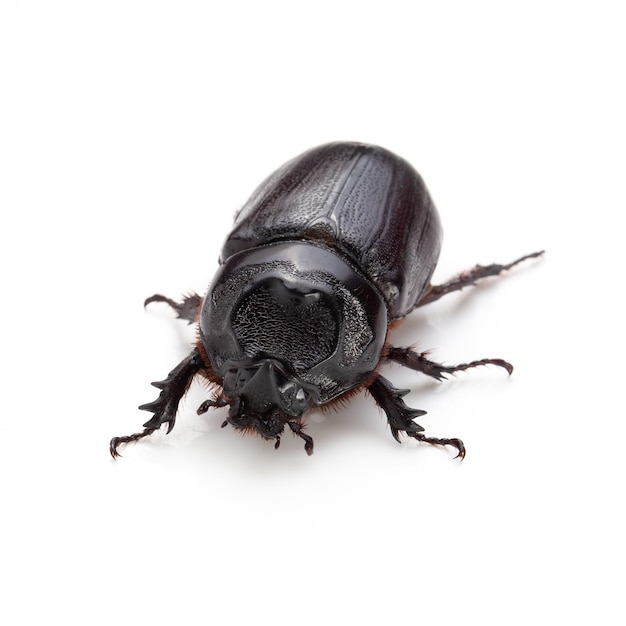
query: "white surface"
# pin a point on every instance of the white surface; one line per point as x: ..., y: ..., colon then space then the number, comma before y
x: 130, y: 132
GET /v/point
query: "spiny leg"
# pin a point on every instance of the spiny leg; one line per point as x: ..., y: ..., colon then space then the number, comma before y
x: 419, y: 362
x: 400, y: 416
x: 466, y: 279
x: 186, y: 310
x: 173, y: 388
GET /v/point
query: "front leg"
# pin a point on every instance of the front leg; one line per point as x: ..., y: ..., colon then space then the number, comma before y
x: 173, y: 388
x: 400, y: 416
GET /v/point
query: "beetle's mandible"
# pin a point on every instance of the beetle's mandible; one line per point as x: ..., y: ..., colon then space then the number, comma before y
x: 331, y: 249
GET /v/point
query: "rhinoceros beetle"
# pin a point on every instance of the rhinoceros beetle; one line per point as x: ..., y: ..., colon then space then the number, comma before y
x: 329, y: 251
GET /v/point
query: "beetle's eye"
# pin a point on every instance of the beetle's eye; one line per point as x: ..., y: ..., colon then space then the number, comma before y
x: 301, y: 399
x: 295, y: 396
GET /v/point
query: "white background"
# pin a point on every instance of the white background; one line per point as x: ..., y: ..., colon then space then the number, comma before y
x: 130, y: 132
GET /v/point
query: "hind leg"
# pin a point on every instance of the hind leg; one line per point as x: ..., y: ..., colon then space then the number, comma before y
x: 466, y: 279
x: 419, y: 362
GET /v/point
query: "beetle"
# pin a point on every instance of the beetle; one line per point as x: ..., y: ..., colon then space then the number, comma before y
x: 330, y: 250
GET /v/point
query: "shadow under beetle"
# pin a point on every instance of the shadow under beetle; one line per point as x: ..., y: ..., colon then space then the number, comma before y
x: 330, y: 250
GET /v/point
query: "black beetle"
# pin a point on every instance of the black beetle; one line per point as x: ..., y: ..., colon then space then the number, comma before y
x: 328, y: 252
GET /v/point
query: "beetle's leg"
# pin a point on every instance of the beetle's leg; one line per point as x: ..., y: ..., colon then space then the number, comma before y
x: 466, y: 279
x: 308, y: 440
x: 419, y: 362
x: 400, y: 416
x: 212, y: 403
x: 173, y: 388
x: 186, y: 310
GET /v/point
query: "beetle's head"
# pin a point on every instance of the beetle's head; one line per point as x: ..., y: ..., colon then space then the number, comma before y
x: 288, y: 326
x: 265, y: 397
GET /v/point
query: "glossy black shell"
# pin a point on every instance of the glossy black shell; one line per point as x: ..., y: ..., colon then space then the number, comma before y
x: 329, y: 249
x: 362, y: 200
